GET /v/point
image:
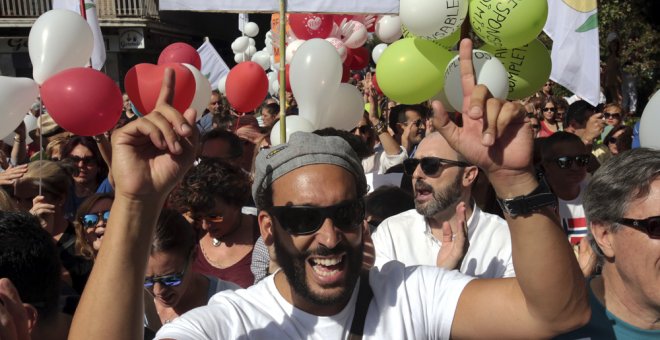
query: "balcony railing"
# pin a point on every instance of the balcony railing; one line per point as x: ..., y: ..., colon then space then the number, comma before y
x: 107, y: 9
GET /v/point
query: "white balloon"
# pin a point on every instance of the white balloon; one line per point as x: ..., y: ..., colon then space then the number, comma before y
x: 292, y: 48
x: 442, y: 97
x: 358, y: 37
x: 262, y: 58
x: 240, y: 57
x: 272, y: 81
x: 202, y: 91
x: 252, y: 42
x: 377, y: 51
x: 30, y: 125
x: 388, y: 28
x: 222, y: 84
x: 293, y: 124
x: 240, y: 44
x: 339, y: 46
x: 251, y: 29
x: 251, y: 50
x: 488, y: 70
x: 648, y: 125
x: 346, y: 108
x: 432, y: 20
x: 16, y: 96
x: 59, y: 39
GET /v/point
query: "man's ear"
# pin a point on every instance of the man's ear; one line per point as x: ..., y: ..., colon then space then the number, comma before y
x: 32, y: 317
x: 470, y: 175
x: 266, y: 227
x: 604, y: 238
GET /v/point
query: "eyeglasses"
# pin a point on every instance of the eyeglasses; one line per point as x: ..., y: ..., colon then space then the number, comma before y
x: 550, y: 109
x: 613, y: 115
x: 418, y: 122
x: 430, y: 165
x: 91, y: 220
x: 86, y: 160
x: 208, y: 219
x: 305, y: 220
x: 650, y: 225
x: 566, y: 162
x: 170, y: 280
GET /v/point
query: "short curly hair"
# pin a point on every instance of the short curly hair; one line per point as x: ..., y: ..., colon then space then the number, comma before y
x: 211, y: 179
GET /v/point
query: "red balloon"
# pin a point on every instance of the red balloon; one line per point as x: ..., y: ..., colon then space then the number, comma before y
x: 346, y: 74
x: 375, y: 82
x: 288, y: 82
x: 338, y: 18
x: 83, y: 101
x: 180, y: 53
x: 247, y: 86
x: 360, y: 58
x: 311, y: 25
x: 143, y: 83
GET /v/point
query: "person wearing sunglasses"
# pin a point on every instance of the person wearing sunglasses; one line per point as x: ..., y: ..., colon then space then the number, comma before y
x: 548, y: 112
x: 584, y: 121
x: 624, y: 233
x: 316, y: 185
x: 172, y: 287
x: 443, y: 180
x: 613, y: 114
x: 618, y: 140
x: 90, y: 223
x: 564, y: 161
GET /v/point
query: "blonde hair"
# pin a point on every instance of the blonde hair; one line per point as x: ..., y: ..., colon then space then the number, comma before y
x: 7, y: 203
x: 82, y: 247
x: 56, y: 144
x: 54, y: 178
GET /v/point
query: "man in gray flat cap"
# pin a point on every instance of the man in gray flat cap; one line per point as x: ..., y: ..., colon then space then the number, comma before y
x: 309, y: 195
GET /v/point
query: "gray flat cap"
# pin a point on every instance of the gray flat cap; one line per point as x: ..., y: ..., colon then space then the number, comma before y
x: 304, y: 149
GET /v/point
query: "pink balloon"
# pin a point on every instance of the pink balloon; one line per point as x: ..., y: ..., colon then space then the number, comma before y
x: 83, y: 101
x: 311, y: 25
x: 180, y: 53
x: 339, y: 46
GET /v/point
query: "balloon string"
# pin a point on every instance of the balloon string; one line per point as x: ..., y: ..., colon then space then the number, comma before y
x: 41, y: 142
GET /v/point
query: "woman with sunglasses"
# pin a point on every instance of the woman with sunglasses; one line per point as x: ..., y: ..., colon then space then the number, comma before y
x: 211, y: 196
x: 173, y: 287
x: 91, y: 170
x: 548, y: 123
x: 613, y: 115
x: 618, y: 140
x: 91, y: 220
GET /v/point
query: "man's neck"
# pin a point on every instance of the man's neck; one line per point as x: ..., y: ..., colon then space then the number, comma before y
x: 623, y: 301
x: 288, y: 293
x: 564, y: 192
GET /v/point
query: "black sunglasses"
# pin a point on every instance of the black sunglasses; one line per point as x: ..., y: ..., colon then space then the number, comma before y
x: 92, y: 219
x: 85, y: 160
x: 566, y: 162
x: 430, y: 165
x: 650, y: 225
x: 612, y: 140
x: 550, y: 109
x: 305, y: 220
x: 613, y: 115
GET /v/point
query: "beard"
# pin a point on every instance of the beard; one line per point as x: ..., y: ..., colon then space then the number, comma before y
x: 293, y: 265
x: 442, y: 199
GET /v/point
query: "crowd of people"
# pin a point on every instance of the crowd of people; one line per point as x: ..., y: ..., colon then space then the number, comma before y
x: 510, y: 219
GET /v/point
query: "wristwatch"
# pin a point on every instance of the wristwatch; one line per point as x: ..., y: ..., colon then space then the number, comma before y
x: 527, y: 204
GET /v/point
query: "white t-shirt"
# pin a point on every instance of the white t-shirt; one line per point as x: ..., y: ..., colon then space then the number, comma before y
x: 408, y: 303
x: 573, y: 218
x: 379, y: 162
x: 407, y: 238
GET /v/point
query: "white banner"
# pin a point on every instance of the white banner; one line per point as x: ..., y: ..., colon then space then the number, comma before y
x: 213, y: 67
x: 271, y: 6
x: 98, y: 54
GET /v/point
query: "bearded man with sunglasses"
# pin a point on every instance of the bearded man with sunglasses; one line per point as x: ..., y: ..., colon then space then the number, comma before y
x: 315, y: 214
x: 624, y: 232
x: 443, y: 181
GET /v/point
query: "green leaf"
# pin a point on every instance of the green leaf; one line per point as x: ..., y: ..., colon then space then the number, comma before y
x: 590, y: 24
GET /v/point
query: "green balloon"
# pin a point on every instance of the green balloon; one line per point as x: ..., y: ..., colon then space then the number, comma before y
x: 411, y: 70
x: 528, y: 66
x: 508, y: 23
x: 448, y: 42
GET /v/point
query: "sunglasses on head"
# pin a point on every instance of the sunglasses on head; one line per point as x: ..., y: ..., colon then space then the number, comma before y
x: 305, y: 220
x: 92, y: 219
x: 650, y: 225
x: 566, y: 162
x: 86, y: 160
x: 551, y: 109
x: 430, y: 165
x: 613, y: 115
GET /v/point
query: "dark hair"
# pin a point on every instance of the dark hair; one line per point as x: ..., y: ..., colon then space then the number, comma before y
x: 561, y: 103
x: 361, y: 149
x: 577, y: 112
x: 559, y: 137
x: 624, y: 142
x: 398, y: 113
x: 232, y: 139
x: 271, y: 108
x: 30, y: 260
x: 388, y: 201
x: 83, y: 248
x: 224, y: 121
x: 211, y: 179
x: 173, y: 234
x: 89, y: 143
